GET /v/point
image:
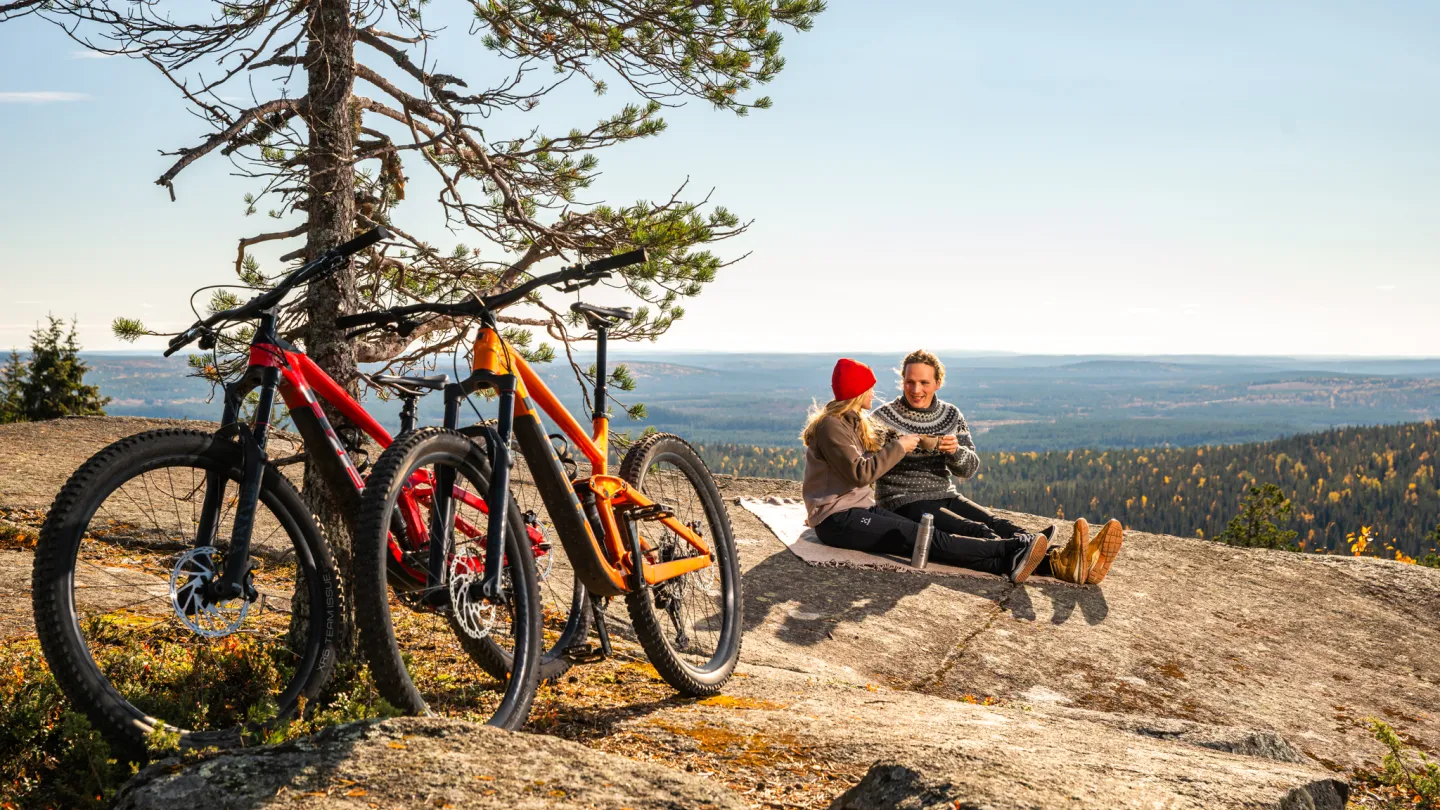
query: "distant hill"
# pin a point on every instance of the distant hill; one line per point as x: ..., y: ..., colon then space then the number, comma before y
x: 1016, y: 403
x: 1339, y: 480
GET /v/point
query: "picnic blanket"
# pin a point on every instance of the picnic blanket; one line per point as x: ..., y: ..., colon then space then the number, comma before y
x: 786, y: 518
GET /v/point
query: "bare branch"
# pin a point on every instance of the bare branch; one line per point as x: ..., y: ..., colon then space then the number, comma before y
x: 252, y: 114
x: 265, y: 237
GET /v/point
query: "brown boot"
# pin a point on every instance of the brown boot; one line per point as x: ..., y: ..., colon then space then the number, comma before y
x: 1072, y: 564
x: 1102, y: 551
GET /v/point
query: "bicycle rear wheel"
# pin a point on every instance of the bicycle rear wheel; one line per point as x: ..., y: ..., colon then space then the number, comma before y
x: 120, y: 606
x: 421, y: 644
x: 690, y: 626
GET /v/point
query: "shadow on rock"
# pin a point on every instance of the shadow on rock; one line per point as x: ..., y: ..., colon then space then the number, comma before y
x: 1064, y: 598
x: 831, y: 595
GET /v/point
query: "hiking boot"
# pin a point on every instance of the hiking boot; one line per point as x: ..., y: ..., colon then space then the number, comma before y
x: 1102, y: 551
x: 1028, y: 557
x: 1072, y: 563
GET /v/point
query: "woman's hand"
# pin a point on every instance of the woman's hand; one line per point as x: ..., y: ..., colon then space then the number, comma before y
x: 949, y: 443
x: 909, y: 441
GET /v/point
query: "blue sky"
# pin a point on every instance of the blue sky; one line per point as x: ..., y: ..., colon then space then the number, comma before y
x: 1122, y: 177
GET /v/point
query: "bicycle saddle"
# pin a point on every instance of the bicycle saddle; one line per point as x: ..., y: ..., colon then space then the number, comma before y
x: 593, y: 312
x: 411, y: 386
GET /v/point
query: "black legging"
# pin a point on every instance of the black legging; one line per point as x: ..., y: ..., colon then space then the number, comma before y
x: 974, y: 520
x: 878, y: 531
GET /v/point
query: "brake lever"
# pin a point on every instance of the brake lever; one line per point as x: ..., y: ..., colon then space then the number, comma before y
x: 572, y: 286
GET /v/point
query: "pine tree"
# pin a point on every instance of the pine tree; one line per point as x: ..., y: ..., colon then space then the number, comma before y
x: 355, y: 100
x: 12, y: 390
x: 55, y: 376
x: 1254, y: 527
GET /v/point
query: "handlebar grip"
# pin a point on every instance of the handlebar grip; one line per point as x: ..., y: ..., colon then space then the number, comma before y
x: 616, y: 262
x: 180, y: 341
x: 362, y: 241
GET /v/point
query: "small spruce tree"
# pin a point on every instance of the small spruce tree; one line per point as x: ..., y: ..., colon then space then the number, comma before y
x: 12, y: 390
x: 55, y: 376
x: 1255, y: 526
x: 1432, y: 558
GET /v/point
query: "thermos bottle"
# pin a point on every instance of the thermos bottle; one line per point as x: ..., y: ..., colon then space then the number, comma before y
x: 921, y: 554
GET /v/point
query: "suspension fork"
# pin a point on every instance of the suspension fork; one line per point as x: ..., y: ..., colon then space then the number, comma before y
x: 215, y: 480
x: 497, y: 500
x: 232, y: 582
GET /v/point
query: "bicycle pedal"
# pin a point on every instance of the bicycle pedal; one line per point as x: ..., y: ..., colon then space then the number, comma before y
x: 584, y: 654
x: 655, y: 511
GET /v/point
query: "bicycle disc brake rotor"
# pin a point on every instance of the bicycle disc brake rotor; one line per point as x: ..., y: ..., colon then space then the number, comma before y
x: 475, y: 616
x: 189, y: 582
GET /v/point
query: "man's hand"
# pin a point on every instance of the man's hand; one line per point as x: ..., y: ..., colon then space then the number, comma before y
x: 949, y: 444
x: 909, y: 441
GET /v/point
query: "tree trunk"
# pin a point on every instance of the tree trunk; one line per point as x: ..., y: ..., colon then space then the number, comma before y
x: 330, y: 65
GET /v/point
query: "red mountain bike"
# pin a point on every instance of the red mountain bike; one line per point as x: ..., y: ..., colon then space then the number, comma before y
x: 196, y: 550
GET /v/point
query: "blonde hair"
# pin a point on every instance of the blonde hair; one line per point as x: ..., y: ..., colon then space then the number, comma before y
x: 922, y: 356
x: 869, y: 435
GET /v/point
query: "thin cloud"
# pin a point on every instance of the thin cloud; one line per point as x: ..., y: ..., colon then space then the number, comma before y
x: 41, y: 97
x: 1384, y: 286
x: 90, y: 55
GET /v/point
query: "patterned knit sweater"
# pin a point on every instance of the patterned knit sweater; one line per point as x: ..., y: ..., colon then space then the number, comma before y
x: 924, y: 475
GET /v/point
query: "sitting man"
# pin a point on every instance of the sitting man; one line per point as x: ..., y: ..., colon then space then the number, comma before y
x: 920, y: 482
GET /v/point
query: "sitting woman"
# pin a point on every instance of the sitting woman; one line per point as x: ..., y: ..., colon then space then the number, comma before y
x: 844, y: 457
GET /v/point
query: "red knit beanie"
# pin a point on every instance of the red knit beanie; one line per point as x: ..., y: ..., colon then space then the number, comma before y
x: 851, y: 379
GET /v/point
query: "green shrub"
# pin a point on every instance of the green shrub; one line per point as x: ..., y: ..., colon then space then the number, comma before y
x: 53, y: 758
x: 1406, y: 779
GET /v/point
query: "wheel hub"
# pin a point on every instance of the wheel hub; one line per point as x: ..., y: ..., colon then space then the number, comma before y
x: 190, y: 588
x: 476, y: 617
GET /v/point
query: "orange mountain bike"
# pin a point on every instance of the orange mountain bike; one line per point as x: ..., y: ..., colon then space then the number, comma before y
x: 657, y: 534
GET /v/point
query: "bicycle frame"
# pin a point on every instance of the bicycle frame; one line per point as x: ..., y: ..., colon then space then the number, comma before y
x: 611, y: 563
x: 274, y: 364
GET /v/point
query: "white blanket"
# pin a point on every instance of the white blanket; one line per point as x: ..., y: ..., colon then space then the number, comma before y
x: 786, y: 518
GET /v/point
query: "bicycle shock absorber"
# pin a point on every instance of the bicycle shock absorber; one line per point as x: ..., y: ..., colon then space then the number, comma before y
x: 592, y: 510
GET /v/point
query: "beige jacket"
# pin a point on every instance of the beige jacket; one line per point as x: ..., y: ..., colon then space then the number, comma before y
x: 839, y: 471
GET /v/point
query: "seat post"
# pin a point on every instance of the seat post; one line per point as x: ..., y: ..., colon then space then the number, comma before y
x: 600, y: 370
x: 408, y: 414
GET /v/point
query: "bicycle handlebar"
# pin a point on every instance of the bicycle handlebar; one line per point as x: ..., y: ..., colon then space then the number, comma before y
x: 593, y: 271
x: 326, y: 263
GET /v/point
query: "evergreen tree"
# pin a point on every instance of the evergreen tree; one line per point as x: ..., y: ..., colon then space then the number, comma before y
x: 12, y: 390
x: 55, y: 376
x: 1254, y: 527
x: 355, y: 100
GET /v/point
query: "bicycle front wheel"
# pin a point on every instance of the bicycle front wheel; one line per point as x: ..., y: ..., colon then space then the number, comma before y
x: 422, y: 644
x: 689, y: 626
x: 121, y: 609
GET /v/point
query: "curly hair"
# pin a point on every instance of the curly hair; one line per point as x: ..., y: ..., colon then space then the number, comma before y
x: 922, y: 356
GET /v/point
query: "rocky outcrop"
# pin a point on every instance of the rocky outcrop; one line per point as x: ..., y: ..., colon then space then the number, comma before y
x: 1197, y: 676
x: 893, y: 785
x: 1182, y: 631
x: 420, y: 762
